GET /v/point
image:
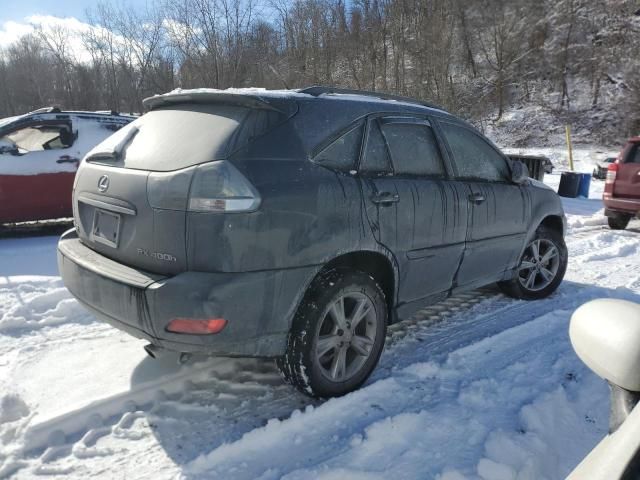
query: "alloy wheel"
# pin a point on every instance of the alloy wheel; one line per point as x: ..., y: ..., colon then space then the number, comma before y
x: 346, y: 336
x: 540, y: 264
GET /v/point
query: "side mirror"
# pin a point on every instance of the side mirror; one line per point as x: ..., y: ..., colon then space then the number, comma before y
x: 519, y: 172
x: 605, y: 334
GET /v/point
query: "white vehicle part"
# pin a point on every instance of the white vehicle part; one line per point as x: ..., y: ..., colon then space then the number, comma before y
x: 605, y: 333
x: 612, y: 456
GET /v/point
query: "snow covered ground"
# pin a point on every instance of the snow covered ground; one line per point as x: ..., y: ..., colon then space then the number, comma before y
x: 479, y: 386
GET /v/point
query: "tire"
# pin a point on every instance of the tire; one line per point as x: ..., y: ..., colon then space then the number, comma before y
x: 543, y: 283
x: 321, y: 375
x: 618, y: 223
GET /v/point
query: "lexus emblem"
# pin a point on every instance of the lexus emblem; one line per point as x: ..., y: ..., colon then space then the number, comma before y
x: 103, y: 183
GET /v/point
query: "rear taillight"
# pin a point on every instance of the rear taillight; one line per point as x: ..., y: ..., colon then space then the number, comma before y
x: 611, y: 173
x: 196, y: 326
x: 220, y: 187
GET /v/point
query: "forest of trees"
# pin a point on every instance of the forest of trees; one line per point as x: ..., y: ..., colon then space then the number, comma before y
x: 477, y: 58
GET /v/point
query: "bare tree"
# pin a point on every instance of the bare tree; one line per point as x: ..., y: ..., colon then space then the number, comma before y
x: 475, y: 58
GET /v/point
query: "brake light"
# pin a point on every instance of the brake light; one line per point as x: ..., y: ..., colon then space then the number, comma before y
x: 612, y: 171
x: 220, y: 187
x: 195, y: 326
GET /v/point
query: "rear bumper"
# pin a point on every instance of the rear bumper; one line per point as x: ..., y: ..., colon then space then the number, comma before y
x: 616, y: 205
x: 258, y: 306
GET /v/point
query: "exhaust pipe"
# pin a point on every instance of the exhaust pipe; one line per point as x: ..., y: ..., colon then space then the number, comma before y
x: 152, y: 350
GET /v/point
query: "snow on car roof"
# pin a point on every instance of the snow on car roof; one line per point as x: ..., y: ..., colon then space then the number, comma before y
x: 8, y: 120
x: 264, y: 93
x: 49, y: 111
x: 249, y: 91
x: 369, y: 97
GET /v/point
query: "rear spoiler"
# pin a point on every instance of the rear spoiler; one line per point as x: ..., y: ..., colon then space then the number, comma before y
x: 243, y: 100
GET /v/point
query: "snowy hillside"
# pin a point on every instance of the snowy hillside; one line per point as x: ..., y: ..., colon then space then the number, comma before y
x: 479, y: 386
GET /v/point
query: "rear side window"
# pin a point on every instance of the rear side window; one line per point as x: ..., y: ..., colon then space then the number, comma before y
x: 414, y: 150
x: 376, y: 156
x: 475, y: 159
x: 343, y: 153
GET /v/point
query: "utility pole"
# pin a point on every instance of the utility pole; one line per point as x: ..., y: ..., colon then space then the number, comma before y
x: 568, y: 131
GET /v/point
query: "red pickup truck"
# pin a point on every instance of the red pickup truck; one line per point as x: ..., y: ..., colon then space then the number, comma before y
x: 622, y: 186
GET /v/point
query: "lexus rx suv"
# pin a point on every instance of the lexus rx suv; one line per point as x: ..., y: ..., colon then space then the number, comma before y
x: 298, y: 224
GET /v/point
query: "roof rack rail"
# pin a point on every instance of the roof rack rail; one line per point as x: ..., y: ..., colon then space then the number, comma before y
x: 317, y: 90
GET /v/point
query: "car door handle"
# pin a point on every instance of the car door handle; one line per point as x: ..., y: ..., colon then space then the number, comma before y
x: 476, y: 198
x: 385, y: 198
x: 68, y: 159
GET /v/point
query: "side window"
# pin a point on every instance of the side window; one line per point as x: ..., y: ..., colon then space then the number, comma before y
x: 634, y: 154
x: 414, y: 150
x: 475, y: 159
x: 39, y: 137
x: 376, y: 156
x: 343, y: 153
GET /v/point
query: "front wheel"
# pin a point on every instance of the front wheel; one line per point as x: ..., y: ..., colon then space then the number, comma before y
x: 337, y: 334
x: 542, y: 267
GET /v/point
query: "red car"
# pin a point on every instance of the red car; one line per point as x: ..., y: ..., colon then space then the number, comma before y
x: 39, y: 156
x: 622, y: 186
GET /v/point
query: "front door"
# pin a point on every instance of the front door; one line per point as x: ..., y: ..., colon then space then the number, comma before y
x: 411, y: 204
x: 37, y: 169
x: 499, y: 210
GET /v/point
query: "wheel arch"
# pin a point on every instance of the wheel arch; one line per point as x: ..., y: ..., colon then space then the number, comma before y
x: 554, y: 222
x: 381, y: 266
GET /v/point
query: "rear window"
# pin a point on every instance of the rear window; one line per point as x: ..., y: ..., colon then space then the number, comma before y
x: 182, y: 135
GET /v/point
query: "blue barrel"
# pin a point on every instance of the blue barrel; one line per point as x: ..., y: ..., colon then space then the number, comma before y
x: 585, y: 183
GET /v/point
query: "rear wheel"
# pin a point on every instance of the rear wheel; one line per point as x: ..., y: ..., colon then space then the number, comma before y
x: 337, y: 334
x: 541, y: 268
x: 618, y: 222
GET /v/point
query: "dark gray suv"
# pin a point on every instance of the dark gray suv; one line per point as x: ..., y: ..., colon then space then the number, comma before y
x: 297, y: 225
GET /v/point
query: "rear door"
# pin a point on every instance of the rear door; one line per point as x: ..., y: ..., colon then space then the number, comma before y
x: 413, y: 207
x: 499, y: 210
x: 37, y: 168
x: 627, y: 184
